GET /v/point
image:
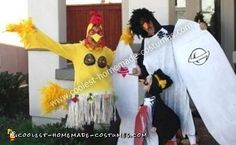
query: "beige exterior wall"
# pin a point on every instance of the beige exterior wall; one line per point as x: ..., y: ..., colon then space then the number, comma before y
x: 192, y: 7
x: 188, y: 12
x: 50, y: 17
x: 234, y: 57
x: 228, y: 28
x: 13, y: 59
x: 172, y: 12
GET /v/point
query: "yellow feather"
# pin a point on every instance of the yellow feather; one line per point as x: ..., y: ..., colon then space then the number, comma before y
x: 162, y: 83
x: 53, y: 97
x: 22, y: 28
x: 127, y: 36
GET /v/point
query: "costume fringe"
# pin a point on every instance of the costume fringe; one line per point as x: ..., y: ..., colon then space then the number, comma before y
x: 53, y: 97
x: 100, y: 110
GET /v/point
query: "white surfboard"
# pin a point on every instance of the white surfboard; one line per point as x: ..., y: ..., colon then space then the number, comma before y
x: 209, y: 78
x: 126, y: 90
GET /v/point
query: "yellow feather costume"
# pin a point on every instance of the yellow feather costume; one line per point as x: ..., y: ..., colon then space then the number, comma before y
x: 51, y: 93
x: 90, y: 82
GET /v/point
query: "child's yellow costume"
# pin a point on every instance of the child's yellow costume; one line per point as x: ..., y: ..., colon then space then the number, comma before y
x: 91, y: 99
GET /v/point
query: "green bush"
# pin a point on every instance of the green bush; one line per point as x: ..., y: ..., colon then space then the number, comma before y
x: 14, y: 115
x: 13, y: 99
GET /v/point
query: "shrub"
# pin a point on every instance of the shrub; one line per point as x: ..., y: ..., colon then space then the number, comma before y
x: 13, y: 99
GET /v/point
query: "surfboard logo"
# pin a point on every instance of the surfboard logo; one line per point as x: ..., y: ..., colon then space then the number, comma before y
x: 198, y: 56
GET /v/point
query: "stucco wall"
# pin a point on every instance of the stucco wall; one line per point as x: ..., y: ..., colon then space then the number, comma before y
x: 228, y: 28
x: 50, y: 17
x: 42, y: 66
x: 13, y: 59
x: 192, y: 8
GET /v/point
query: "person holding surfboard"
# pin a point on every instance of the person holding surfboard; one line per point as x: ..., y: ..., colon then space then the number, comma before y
x: 144, y: 24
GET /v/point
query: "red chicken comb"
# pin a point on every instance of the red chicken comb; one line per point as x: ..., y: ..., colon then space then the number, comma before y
x: 95, y: 18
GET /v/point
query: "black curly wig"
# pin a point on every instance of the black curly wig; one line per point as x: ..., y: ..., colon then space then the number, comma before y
x: 142, y: 15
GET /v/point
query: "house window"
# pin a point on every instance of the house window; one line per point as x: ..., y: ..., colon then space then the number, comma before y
x: 180, y: 9
x: 211, y: 11
x: 208, y: 9
x: 180, y: 3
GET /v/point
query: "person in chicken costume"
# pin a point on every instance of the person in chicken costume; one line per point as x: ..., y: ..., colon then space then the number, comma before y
x: 91, y: 100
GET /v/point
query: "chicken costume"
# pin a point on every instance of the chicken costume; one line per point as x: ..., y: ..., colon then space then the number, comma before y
x: 91, y: 100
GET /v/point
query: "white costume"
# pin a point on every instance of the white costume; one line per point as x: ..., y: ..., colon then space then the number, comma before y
x: 158, y: 54
x: 195, y: 62
x: 126, y: 90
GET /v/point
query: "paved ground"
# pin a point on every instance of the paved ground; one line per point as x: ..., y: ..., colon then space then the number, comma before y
x: 203, y: 135
x: 204, y: 138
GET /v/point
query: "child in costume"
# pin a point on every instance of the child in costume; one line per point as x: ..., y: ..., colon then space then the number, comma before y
x: 93, y: 103
x: 164, y: 121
